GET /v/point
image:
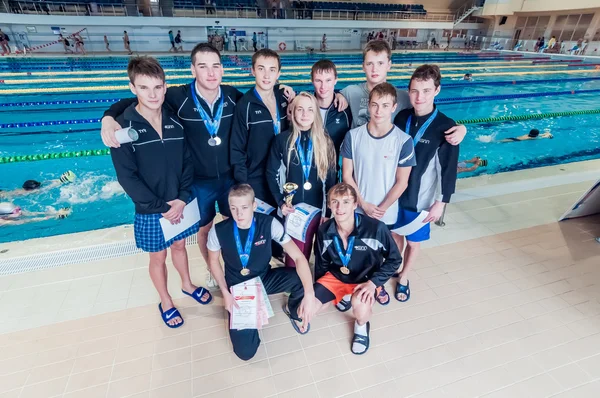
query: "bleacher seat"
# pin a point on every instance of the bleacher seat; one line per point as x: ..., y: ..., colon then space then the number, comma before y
x: 68, y: 2
x: 369, y: 7
x: 219, y: 3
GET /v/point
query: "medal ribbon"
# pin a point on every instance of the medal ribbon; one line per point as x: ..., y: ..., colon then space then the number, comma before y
x: 345, y: 258
x: 305, y: 160
x: 276, y: 123
x: 212, y: 124
x: 245, y: 253
x: 421, y: 131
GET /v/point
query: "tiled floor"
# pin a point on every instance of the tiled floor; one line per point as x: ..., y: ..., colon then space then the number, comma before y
x: 505, y: 303
x: 510, y: 315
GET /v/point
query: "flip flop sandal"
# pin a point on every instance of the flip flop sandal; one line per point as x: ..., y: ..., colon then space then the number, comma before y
x: 197, y: 295
x: 343, y: 305
x: 382, y: 294
x: 402, y: 289
x: 360, y: 339
x: 170, y: 314
x: 294, y: 324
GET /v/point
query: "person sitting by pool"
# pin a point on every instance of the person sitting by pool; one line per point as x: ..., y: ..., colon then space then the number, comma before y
x: 534, y: 134
x: 468, y: 77
x: 33, y: 186
x: 11, y: 214
x: 463, y: 166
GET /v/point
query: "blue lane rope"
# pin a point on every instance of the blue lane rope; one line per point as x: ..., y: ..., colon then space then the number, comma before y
x: 452, y: 100
x: 48, y: 123
x: 511, y: 82
x: 71, y: 64
x: 449, y: 100
x: 63, y: 102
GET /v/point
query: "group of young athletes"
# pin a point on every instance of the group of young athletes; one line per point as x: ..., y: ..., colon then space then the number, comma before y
x: 208, y: 141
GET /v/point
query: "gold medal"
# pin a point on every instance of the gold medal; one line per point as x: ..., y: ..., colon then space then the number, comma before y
x: 345, y: 270
x: 246, y: 272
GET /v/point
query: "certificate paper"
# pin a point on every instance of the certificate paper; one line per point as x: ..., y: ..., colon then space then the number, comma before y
x: 244, y: 316
x: 191, y: 216
x: 254, y: 307
x: 297, y: 223
x: 412, y: 226
x: 263, y: 207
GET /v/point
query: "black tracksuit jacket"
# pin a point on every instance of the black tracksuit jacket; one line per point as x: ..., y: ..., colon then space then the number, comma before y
x: 209, y: 162
x: 153, y: 170
x: 252, y: 134
x: 375, y: 256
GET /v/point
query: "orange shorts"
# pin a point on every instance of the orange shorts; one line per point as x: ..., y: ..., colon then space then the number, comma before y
x: 337, y: 288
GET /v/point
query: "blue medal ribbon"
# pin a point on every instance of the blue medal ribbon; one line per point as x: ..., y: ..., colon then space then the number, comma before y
x: 345, y: 258
x: 305, y: 160
x: 423, y: 128
x: 245, y: 253
x: 212, y: 124
x: 276, y: 123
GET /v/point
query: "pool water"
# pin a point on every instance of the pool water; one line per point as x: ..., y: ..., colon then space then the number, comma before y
x: 99, y: 202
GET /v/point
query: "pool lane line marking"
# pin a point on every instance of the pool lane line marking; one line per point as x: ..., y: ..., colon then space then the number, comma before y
x: 38, y: 90
x: 182, y: 77
x: 283, y: 69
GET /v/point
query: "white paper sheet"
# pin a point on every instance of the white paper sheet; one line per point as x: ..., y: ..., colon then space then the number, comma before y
x: 263, y: 207
x: 245, y: 316
x: 266, y: 300
x: 296, y: 223
x: 413, y: 226
x: 254, y: 306
x: 191, y: 215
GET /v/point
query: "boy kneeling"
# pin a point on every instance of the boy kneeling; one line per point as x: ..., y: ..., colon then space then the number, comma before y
x: 245, y: 243
x: 354, y: 254
x: 156, y: 172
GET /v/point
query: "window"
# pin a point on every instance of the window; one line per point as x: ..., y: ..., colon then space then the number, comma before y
x: 566, y: 35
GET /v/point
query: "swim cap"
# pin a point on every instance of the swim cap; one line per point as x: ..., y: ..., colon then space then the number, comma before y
x: 64, y: 212
x: 534, y: 133
x: 67, y: 177
x: 7, y: 208
x: 30, y: 185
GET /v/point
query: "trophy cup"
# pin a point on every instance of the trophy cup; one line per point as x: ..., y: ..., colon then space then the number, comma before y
x: 290, y: 189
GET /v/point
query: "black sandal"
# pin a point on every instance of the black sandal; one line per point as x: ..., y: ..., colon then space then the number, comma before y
x: 360, y: 339
x: 403, y: 289
x: 345, y: 305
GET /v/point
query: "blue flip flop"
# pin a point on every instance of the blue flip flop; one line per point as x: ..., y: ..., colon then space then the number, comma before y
x: 294, y: 324
x: 360, y: 339
x: 402, y: 289
x: 197, y: 295
x: 170, y: 314
x: 382, y: 293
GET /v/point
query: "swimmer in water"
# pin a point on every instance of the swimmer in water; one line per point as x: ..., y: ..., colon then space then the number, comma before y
x: 533, y: 135
x: 463, y: 166
x: 11, y: 214
x: 468, y: 77
x: 33, y: 186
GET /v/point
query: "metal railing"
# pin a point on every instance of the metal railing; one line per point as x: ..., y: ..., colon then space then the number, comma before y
x: 67, y: 8
x: 85, y: 9
x: 466, y: 7
x: 315, y: 14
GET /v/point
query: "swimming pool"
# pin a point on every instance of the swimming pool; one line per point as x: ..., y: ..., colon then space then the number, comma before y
x: 98, y: 202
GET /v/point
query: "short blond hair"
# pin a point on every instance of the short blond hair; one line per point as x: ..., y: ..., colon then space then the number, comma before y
x: 241, y: 190
x: 342, y: 189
